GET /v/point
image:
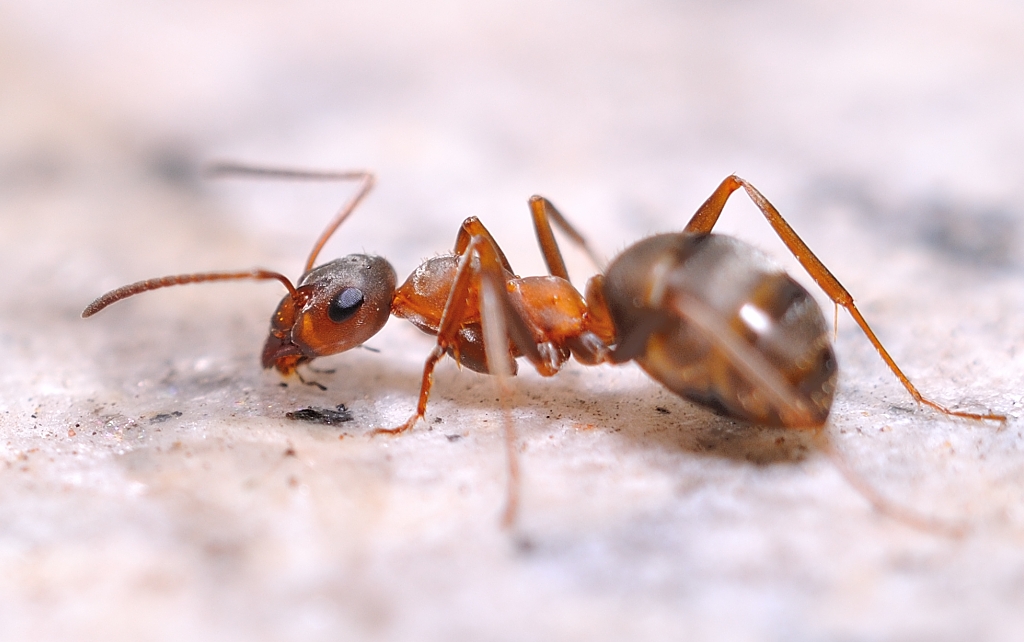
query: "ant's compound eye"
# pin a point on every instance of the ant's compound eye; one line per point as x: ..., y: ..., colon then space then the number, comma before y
x: 345, y: 304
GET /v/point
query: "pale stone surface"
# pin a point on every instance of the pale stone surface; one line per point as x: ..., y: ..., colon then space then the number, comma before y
x: 152, y: 488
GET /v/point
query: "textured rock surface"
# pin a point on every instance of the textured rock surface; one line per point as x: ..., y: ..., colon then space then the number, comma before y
x: 152, y: 488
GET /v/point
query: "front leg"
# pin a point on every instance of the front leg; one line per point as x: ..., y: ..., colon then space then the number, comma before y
x: 479, y: 261
x: 428, y: 382
x: 481, y: 277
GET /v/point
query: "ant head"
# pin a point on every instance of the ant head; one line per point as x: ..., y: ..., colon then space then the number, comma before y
x: 336, y: 307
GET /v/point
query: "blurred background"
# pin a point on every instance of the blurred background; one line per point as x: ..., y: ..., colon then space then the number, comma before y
x: 888, y: 133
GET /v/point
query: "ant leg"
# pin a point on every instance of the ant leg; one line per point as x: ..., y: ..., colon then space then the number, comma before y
x: 543, y: 212
x: 310, y: 382
x: 468, y: 276
x: 472, y: 227
x: 366, y: 181
x: 707, y: 214
x: 602, y: 332
x: 751, y: 365
x: 879, y: 502
x: 328, y: 371
x: 455, y: 310
x: 500, y: 323
x: 427, y: 383
x: 495, y: 315
x: 706, y: 217
x: 481, y: 267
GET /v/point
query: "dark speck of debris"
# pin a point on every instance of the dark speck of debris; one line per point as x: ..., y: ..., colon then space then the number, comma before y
x: 283, y: 385
x: 325, y: 416
x: 164, y: 416
x: 662, y: 410
x: 453, y: 437
x: 438, y: 420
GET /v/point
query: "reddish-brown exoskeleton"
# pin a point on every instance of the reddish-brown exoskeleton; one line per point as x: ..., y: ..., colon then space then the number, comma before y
x: 707, y: 315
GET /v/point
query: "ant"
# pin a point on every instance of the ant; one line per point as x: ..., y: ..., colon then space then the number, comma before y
x: 706, y: 315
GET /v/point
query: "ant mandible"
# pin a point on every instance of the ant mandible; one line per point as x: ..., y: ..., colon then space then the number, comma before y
x: 706, y: 315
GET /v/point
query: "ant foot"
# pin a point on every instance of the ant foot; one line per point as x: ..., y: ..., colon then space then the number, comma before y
x: 396, y: 431
x: 315, y: 384
x: 966, y: 415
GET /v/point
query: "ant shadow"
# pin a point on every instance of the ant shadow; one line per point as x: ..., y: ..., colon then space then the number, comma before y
x: 645, y: 414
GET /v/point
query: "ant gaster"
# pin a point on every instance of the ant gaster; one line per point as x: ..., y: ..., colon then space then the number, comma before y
x: 708, y: 316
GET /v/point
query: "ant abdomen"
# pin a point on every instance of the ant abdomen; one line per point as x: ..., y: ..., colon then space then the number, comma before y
x: 717, y: 322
